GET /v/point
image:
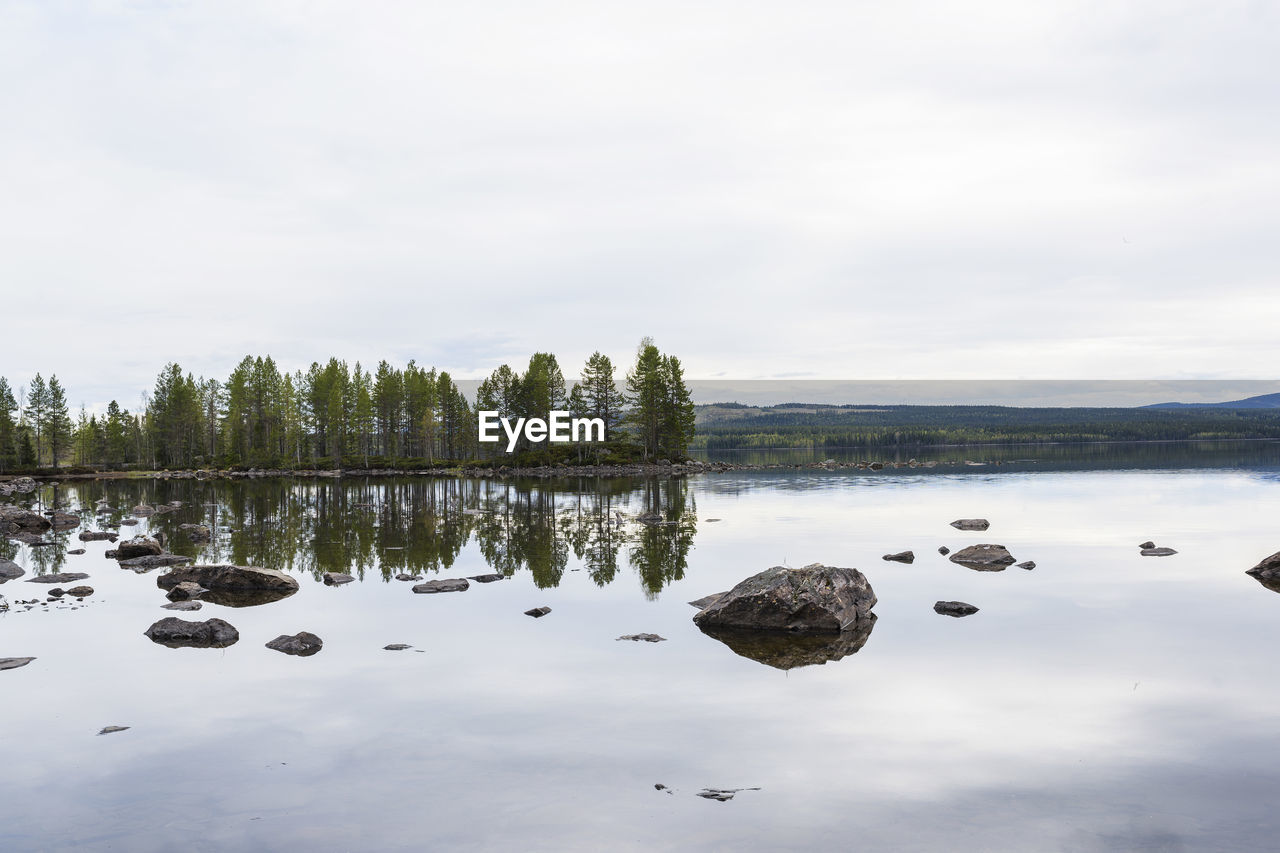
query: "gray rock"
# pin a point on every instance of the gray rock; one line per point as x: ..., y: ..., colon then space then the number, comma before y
x: 303, y: 644
x: 22, y: 519
x: 971, y: 524
x: 185, y: 591
x: 445, y: 585
x: 98, y: 536
x: 487, y: 578
x: 182, y: 605
x: 10, y: 570
x: 14, y: 663
x: 944, y: 550
x: 143, y: 510
x: 1157, y: 552
x: 954, y: 608
x: 649, y: 517
x: 983, y: 558
x: 75, y: 552
x: 337, y: 578
x: 1028, y: 565
x: 64, y: 520
x: 153, y: 561
x: 129, y: 522
x: 227, y: 578
x: 814, y: 598
x: 110, y: 730
x: 1147, y: 544
x: 643, y: 638
x: 707, y: 600
x: 138, y: 546
x: 538, y: 612
x: 900, y: 557
x: 57, y: 592
x: 176, y: 633
x: 397, y: 647
x: 405, y: 577
x: 788, y: 650
x: 59, y: 577
x: 80, y: 591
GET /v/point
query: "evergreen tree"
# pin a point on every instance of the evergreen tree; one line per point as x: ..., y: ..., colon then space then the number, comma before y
x: 601, y: 394
x: 58, y: 427
x: 677, y: 426
x: 37, y: 411
x: 646, y: 397
x: 8, y: 427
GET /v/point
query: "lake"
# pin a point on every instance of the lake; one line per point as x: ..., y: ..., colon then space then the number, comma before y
x: 1102, y: 701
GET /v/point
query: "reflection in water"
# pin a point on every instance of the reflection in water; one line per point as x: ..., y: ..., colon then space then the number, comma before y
x: 785, y: 650
x: 415, y: 525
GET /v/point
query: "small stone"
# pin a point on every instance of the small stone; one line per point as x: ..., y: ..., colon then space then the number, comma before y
x: 954, y: 608
x: 185, y: 591
x: 488, y: 578
x: 445, y: 585
x: 108, y: 730
x: 14, y: 663
x: 944, y: 550
x: 404, y: 577
x: 337, y: 578
x: 80, y: 591
x: 397, y: 647
x: 182, y: 605
x: 971, y: 524
x: 301, y: 644
x: 1028, y: 565
x: 538, y: 612
x: 1157, y: 552
x: 1147, y: 544
x: 75, y: 552
x: 643, y: 638
x: 900, y: 557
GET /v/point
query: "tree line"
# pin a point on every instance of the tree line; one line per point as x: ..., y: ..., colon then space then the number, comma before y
x: 336, y: 415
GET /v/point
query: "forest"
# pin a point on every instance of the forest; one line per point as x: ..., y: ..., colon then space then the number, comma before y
x: 333, y: 415
x: 733, y: 426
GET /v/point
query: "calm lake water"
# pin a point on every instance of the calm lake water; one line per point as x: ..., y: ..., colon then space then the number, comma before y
x: 1102, y: 701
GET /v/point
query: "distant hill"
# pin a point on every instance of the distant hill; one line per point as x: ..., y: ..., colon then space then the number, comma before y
x: 1262, y: 401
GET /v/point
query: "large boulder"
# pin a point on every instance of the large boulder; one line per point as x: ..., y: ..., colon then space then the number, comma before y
x: 138, y: 546
x: 209, y: 634
x: 815, y: 598
x: 229, y: 578
x: 984, y: 558
x: 1267, y: 572
x: 22, y: 519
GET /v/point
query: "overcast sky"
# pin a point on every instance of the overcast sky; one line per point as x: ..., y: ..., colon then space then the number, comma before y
x: 904, y: 190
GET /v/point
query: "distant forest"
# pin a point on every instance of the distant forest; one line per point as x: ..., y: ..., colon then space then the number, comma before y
x: 735, y: 426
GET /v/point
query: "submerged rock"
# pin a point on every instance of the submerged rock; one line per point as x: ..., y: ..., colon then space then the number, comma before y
x: 98, y: 536
x: 970, y: 524
x: 538, y: 612
x: 75, y: 552
x: 1028, y: 565
x: 814, y: 598
x: 405, y: 577
x: 14, y: 663
x: 64, y: 520
x: 643, y: 638
x: 185, y: 591
x: 900, y: 557
x: 487, y: 578
x: 983, y: 558
x: 445, y: 585
x: 197, y: 533
x: 59, y: 577
x: 179, y: 633
x: 303, y: 644
x: 944, y: 550
x: 337, y: 578
x: 954, y: 608
x: 1157, y: 552
x: 182, y: 605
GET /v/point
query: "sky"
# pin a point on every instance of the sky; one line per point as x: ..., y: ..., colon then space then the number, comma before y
x: 799, y: 190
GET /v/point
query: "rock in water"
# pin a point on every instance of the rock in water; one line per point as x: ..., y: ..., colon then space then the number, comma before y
x: 944, y: 550
x: 644, y: 638
x: 538, y: 612
x: 397, y: 647
x: 446, y: 585
x: 225, y: 578
x: 487, y: 578
x: 80, y: 591
x: 59, y: 577
x: 303, y: 644
x: 98, y: 536
x: 970, y: 524
x: 954, y: 608
x: 14, y: 663
x: 1157, y: 552
x: 185, y: 591
x: 23, y: 519
x: 1267, y: 572
x: 109, y: 730
x: 901, y: 557
x: 197, y: 533
x: 1147, y: 544
x: 10, y: 570
x: 337, y: 578
x: 815, y: 598
x: 176, y: 633
x: 138, y: 546
x: 405, y: 577
x: 182, y: 605
x: 153, y: 561
x: 983, y: 558
x: 1028, y: 565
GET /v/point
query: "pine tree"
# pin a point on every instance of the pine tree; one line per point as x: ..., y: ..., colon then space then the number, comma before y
x: 646, y: 397
x: 677, y: 409
x: 600, y: 393
x: 37, y: 411
x: 8, y: 427
x: 58, y: 427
